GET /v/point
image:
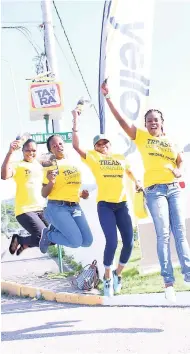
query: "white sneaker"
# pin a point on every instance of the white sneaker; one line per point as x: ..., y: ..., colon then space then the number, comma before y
x: 170, y: 294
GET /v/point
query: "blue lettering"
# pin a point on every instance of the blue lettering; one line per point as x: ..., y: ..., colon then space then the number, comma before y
x: 132, y: 57
x: 130, y: 95
x: 126, y: 29
x: 45, y: 93
x: 45, y: 97
x: 39, y: 93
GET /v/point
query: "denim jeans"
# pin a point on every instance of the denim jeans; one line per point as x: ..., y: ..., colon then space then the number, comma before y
x: 165, y: 205
x: 68, y: 225
x: 111, y: 216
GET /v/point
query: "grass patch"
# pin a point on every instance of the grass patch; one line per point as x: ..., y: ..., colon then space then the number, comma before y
x: 69, y: 260
x: 53, y: 251
x: 61, y: 275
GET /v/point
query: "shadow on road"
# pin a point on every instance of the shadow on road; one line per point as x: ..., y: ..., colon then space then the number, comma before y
x: 24, y: 333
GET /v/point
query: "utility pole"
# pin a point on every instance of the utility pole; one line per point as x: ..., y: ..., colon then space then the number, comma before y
x: 49, y: 44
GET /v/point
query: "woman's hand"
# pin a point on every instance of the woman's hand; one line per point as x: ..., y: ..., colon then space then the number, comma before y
x: 15, y: 145
x: 75, y: 114
x: 138, y: 186
x: 176, y: 172
x: 104, y: 89
x: 84, y: 194
x: 51, y: 176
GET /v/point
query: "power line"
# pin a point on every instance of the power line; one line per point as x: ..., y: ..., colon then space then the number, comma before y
x: 25, y: 32
x: 76, y: 62
x: 64, y: 56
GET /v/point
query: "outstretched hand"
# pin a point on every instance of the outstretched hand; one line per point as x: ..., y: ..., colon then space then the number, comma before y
x: 75, y: 114
x: 104, y: 88
x: 15, y: 145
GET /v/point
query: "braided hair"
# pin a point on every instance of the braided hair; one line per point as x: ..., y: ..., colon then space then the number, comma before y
x: 156, y: 111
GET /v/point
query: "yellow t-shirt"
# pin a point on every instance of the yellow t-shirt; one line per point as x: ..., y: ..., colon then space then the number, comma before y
x: 28, y: 177
x: 158, y: 153
x: 110, y: 175
x: 68, y: 182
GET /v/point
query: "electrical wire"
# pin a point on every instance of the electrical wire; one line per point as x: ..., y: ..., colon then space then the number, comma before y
x: 26, y: 33
x: 64, y: 55
x: 76, y: 62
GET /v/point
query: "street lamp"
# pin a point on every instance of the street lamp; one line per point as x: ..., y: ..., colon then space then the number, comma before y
x: 15, y: 93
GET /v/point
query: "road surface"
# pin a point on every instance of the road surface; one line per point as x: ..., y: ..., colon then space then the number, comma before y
x: 38, y: 327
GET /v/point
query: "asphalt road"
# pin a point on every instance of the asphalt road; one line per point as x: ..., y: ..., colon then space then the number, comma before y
x: 40, y: 327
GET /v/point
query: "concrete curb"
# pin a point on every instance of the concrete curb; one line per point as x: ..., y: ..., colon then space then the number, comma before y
x: 147, y: 300
x: 16, y: 289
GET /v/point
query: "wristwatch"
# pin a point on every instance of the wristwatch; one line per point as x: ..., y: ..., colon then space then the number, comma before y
x: 107, y: 96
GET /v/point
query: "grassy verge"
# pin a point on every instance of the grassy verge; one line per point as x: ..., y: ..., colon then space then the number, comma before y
x: 134, y: 283
x: 69, y: 260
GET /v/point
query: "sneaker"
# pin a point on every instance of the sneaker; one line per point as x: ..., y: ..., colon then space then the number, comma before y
x: 44, y: 242
x: 116, y: 283
x: 108, y: 287
x: 170, y: 294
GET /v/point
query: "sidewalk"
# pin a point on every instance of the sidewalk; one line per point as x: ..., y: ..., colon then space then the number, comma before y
x: 32, y: 268
x: 27, y: 275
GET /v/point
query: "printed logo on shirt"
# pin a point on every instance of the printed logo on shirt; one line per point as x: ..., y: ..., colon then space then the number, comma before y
x: 160, y: 149
x: 27, y: 172
x: 110, y: 165
x: 160, y: 145
x: 72, y: 176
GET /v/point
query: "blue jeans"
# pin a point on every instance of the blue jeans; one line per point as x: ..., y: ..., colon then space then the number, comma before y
x: 111, y: 216
x: 68, y: 225
x: 165, y: 205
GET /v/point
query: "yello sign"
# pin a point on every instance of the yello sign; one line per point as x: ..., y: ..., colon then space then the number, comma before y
x: 45, y: 98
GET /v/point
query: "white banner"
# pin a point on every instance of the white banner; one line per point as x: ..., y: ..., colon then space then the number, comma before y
x: 125, y: 59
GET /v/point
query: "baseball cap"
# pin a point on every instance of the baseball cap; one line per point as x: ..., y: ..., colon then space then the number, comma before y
x: 98, y: 138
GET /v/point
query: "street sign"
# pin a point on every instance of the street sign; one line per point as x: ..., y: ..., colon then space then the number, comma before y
x: 45, y: 98
x: 41, y: 138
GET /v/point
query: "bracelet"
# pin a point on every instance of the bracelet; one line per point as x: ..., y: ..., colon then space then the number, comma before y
x: 74, y: 130
x: 107, y: 96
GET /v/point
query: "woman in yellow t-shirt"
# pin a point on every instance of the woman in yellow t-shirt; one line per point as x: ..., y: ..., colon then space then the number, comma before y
x: 29, y: 204
x: 62, y: 188
x: 162, y: 164
x: 110, y: 171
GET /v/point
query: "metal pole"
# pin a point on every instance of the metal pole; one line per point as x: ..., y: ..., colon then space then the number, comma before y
x: 60, y: 260
x: 49, y: 43
x: 46, y: 117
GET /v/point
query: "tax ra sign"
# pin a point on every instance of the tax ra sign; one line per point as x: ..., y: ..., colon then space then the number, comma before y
x: 45, y: 98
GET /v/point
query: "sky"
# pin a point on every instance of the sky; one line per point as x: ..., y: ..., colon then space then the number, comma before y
x: 170, y: 74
